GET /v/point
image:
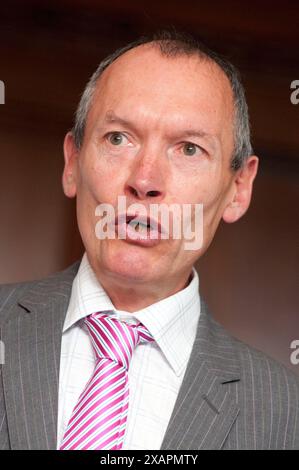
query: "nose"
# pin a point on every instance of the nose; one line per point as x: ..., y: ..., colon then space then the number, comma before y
x: 147, y: 178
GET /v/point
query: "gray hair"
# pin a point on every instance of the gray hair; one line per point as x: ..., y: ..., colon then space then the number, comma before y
x: 173, y: 44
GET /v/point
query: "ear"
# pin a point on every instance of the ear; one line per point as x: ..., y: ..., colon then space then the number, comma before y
x: 242, y: 190
x: 69, y: 177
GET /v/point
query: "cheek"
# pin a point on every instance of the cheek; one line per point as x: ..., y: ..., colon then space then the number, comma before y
x: 211, y: 194
x: 214, y: 207
x: 211, y: 201
x: 204, y: 189
x: 100, y: 180
x: 107, y: 164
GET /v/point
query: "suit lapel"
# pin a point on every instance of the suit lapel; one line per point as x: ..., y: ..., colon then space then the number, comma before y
x: 206, y: 407
x: 32, y: 338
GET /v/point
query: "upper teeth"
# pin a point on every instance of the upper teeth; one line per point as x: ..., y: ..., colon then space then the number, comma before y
x: 138, y: 224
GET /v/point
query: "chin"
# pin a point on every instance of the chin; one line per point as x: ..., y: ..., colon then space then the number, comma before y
x: 127, y: 262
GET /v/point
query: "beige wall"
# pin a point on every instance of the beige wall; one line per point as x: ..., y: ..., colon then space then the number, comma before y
x: 36, y: 218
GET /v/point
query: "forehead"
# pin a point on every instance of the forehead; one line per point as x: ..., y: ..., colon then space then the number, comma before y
x: 167, y: 89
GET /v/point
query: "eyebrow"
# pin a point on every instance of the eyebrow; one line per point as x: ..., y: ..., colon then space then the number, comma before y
x: 195, y: 133
x: 111, y: 117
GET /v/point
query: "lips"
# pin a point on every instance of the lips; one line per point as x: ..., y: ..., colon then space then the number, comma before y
x: 139, y: 229
x: 143, y: 221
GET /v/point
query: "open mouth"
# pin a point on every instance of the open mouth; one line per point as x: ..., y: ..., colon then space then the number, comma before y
x: 142, y: 224
x: 140, y: 229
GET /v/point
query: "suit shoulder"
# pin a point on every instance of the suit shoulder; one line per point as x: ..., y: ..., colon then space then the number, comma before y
x: 260, y: 367
x: 257, y: 366
x: 258, y: 360
x: 8, y: 292
x: 11, y: 293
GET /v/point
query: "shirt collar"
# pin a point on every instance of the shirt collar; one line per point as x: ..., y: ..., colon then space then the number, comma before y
x: 171, y: 321
x: 87, y: 296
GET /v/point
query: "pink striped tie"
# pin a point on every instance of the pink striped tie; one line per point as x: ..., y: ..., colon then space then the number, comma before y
x: 99, y: 419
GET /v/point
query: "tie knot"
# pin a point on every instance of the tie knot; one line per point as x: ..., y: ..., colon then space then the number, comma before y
x: 113, y: 339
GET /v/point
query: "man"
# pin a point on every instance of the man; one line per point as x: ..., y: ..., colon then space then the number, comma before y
x: 164, y: 122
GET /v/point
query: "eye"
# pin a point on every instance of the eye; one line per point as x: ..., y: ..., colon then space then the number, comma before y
x: 117, y: 138
x: 191, y: 149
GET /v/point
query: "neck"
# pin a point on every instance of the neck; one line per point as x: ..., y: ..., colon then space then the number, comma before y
x: 132, y: 296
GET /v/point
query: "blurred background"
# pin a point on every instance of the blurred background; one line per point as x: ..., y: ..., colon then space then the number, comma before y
x: 48, y: 50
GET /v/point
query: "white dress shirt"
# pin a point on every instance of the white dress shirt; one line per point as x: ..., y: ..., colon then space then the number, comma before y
x: 156, y: 370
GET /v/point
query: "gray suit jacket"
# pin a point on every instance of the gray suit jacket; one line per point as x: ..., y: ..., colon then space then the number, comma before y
x: 232, y: 396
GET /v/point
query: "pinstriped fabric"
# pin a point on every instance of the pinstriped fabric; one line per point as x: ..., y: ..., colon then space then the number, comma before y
x: 4, y: 440
x: 99, y: 419
x: 232, y: 396
x: 29, y: 376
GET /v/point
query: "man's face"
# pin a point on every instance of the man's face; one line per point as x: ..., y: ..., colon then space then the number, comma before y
x: 160, y: 130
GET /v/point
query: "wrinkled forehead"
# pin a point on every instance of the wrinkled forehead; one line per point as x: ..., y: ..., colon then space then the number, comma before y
x: 182, y: 83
